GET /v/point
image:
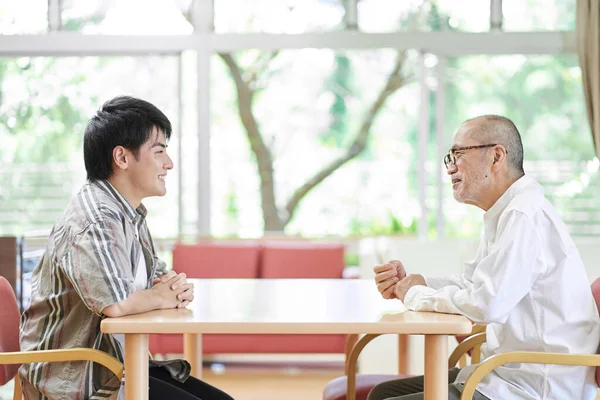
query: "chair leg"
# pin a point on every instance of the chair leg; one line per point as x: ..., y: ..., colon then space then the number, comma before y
x: 18, y: 393
x: 350, y: 342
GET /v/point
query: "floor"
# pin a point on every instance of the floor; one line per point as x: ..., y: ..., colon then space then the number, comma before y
x: 259, y: 383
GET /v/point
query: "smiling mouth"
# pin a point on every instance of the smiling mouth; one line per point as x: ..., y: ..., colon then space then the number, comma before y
x: 161, y: 178
x: 454, y: 181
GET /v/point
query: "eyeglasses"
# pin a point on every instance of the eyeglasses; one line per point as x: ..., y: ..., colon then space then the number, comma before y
x: 450, y: 158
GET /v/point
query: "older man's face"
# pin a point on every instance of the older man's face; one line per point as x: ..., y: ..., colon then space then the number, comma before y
x: 467, y: 174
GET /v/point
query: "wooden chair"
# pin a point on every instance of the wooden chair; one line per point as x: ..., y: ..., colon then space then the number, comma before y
x: 355, y: 386
x: 11, y: 357
x: 534, y: 357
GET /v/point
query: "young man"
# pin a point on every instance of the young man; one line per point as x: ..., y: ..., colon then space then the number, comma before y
x: 100, y: 261
x: 527, y: 282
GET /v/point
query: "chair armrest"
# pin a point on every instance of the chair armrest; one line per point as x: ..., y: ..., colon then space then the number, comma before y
x: 351, y: 340
x: 478, y: 329
x: 533, y: 357
x: 470, y: 343
x: 97, y: 356
x: 351, y: 362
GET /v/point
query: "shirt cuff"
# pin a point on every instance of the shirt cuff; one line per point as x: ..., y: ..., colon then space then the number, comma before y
x: 412, y: 297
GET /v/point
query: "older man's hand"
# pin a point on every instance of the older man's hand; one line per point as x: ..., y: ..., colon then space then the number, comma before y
x: 401, y: 288
x: 386, y: 277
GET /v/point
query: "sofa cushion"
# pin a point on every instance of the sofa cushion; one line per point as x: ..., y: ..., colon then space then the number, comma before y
x: 217, y: 260
x: 302, y: 260
x: 252, y: 344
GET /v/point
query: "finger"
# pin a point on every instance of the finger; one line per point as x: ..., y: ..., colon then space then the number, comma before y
x: 184, y: 288
x: 178, y: 281
x: 389, y: 293
x: 398, y: 266
x: 383, y: 276
x: 183, y: 304
x: 168, y: 276
x: 186, y: 294
x: 383, y: 268
x: 155, y: 281
x: 383, y: 286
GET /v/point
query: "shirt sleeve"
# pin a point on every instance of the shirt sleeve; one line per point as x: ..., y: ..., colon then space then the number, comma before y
x: 98, y: 265
x: 161, y: 267
x: 454, y: 280
x: 500, y: 280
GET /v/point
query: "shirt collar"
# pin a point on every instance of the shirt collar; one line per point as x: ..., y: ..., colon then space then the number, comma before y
x: 132, y: 213
x: 519, y: 185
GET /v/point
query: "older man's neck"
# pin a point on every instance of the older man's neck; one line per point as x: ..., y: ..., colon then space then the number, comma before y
x: 498, y: 189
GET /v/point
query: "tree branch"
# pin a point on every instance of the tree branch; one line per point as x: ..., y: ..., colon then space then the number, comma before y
x: 394, y: 82
x: 260, y: 69
x: 264, y: 158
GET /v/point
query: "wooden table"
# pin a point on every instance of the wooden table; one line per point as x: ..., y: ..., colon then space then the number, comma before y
x: 279, y: 306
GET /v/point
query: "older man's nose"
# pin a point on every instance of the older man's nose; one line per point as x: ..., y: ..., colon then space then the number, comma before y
x: 451, y: 168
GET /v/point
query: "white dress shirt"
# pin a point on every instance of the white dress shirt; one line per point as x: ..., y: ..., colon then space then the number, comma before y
x: 528, y: 284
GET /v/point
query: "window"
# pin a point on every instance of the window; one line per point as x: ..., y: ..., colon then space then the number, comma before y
x: 43, y: 124
x: 127, y: 17
x: 309, y: 105
x: 277, y: 16
x: 544, y: 97
x: 23, y: 17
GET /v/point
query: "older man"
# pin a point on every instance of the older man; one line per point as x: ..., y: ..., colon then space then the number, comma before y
x: 527, y: 283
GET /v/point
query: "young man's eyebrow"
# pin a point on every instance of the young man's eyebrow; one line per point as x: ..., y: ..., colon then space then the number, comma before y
x: 158, y: 144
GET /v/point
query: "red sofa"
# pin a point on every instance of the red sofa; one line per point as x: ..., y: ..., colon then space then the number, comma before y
x: 249, y: 259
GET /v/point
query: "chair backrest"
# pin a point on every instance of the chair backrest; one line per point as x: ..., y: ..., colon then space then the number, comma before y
x: 596, y: 294
x: 10, y: 319
x: 217, y: 260
x: 302, y: 260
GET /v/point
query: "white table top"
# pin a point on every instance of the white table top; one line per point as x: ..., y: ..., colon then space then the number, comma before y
x: 280, y: 306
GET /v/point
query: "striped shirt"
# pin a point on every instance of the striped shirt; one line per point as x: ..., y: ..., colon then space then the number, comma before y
x: 90, y: 262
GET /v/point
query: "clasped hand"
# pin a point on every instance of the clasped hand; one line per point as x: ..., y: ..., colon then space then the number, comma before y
x: 178, y: 283
x: 393, y: 282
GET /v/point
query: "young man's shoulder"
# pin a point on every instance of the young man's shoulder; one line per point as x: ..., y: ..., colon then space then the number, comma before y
x: 91, y: 205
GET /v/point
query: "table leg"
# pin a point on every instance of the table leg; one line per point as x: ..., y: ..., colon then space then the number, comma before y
x: 136, y: 366
x: 436, y: 367
x: 403, y: 353
x: 192, y: 349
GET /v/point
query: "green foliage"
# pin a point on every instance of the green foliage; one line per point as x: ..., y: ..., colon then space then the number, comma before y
x: 40, y: 129
x: 390, y: 226
x: 339, y: 86
x: 351, y: 259
x: 541, y: 94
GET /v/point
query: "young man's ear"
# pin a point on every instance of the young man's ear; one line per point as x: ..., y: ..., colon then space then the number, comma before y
x: 121, y: 157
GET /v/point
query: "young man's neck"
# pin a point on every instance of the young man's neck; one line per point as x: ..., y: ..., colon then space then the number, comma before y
x: 125, y: 189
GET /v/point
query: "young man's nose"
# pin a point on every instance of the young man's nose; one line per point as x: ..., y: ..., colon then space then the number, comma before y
x: 169, y: 163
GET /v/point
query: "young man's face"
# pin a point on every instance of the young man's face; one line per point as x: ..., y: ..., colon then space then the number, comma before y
x: 148, y: 172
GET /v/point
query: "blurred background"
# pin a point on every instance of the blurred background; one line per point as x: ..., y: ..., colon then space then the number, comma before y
x: 311, y: 119
x: 309, y: 80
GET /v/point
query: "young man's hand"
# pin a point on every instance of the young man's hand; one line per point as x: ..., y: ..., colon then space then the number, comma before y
x: 177, y: 283
x: 386, y: 277
x: 401, y: 288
